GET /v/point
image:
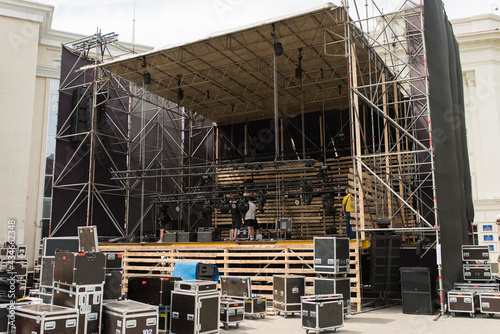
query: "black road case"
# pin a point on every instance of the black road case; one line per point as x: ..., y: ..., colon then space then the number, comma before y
x: 79, y: 268
x: 462, y: 301
x: 186, y: 237
x: 47, y: 271
x: 254, y: 306
x: 475, y: 253
x: 87, y: 239
x: 194, y: 313
x: 129, y: 317
x: 331, y: 255
x: 114, y: 260
x: 328, y: 286
x: 477, y: 272
x: 287, y: 291
x: 322, y: 312
x: 235, y: 286
x: 196, y: 286
x: 232, y: 312
x: 208, y: 234
x: 86, y: 299
x: 151, y: 290
x: 44, y: 319
x: 489, y: 303
x: 477, y: 286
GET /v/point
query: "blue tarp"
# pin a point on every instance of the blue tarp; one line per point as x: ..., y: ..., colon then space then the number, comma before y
x: 187, y: 270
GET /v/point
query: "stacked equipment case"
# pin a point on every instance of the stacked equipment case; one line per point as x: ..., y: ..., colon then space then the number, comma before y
x: 232, y: 312
x: 129, y: 317
x: 322, y: 312
x: 45, y: 319
x: 331, y: 255
x: 240, y: 288
x: 287, y: 291
x: 195, y: 307
x: 479, y: 293
x: 328, y: 286
x: 154, y: 291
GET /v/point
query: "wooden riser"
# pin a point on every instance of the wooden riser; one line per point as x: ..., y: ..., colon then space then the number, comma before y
x: 260, y: 260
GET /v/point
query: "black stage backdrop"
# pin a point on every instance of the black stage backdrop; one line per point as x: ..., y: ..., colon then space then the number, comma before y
x: 452, y: 173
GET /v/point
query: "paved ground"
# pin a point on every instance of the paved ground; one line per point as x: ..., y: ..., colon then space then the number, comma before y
x: 388, y: 320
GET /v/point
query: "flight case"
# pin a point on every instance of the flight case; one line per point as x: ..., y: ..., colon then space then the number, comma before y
x: 322, y: 312
x: 462, y: 301
x: 287, y: 291
x: 195, y: 313
x: 151, y: 290
x: 326, y: 286
x: 129, y: 317
x: 254, y: 306
x: 489, y: 303
x: 477, y: 272
x: 44, y: 319
x: 232, y: 312
x: 235, y: 286
x: 331, y: 255
x: 475, y: 253
x: 86, y: 299
x: 79, y: 268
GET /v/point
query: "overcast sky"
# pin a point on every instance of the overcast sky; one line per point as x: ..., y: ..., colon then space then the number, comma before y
x: 164, y: 22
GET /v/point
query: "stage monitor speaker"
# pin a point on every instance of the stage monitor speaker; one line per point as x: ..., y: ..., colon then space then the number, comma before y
x: 416, y: 289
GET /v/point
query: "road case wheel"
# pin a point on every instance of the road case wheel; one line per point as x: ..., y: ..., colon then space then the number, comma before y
x: 238, y: 325
x: 453, y: 314
x: 262, y: 316
x: 472, y: 315
x: 226, y: 326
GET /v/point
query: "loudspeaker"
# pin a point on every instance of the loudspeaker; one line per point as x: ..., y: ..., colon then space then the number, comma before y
x: 80, y: 119
x: 384, y: 273
x: 417, y: 292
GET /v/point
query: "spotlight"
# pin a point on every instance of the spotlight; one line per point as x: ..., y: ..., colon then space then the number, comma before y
x: 328, y: 205
x: 323, y: 171
x: 146, y: 78
x: 202, y: 215
x: 261, y: 201
x: 278, y: 48
x: 307, y: 196
x: 224, y: 206
x: 243, y: 205
x: 297, y: 200
x: 208, y: 207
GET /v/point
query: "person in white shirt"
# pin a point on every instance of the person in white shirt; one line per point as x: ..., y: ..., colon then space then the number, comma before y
x: 250, y: 220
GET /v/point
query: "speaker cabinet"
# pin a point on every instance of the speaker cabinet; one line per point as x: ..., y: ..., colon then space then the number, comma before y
x: 417, y: 292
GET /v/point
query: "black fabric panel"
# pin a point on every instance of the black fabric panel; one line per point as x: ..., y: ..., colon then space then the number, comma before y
x: 452, y: 174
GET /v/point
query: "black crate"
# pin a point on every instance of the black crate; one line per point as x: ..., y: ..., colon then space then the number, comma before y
x: 194, y: 313
x: 489, y: 302
x: 151, y: 290
x: 462, y: 301
x: 254, y: 306
x: 186, y: 237
x: 475, y: 253
x: 320, y: 313
x: 113, y: 284
x: 129, y: 317
x: 114, y: 260
x: 236, y: 286
x: 87, y: 299
x: 170, y: 237
x: 287, y: 291
x: 232, y: 312
x: 206, y: 272
x: 79, y: 268
x: 477, y: 286
x: 331, y: 255
x: 477, y: 272
x: 53, y: 245
x: 208, y: 236
x: 196, y: 286
x: 45, y: 319
x: 328, y: 286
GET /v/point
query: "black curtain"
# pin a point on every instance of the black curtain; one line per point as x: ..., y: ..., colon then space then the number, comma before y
x: 452, y: 173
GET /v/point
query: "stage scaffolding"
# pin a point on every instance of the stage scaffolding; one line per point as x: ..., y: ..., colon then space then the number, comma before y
x: 169, y: 147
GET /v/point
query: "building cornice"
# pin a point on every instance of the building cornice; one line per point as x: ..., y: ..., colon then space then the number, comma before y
x: 29, y: 11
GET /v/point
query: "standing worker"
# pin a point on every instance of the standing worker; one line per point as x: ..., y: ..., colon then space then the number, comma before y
x: 235, y: 220
x: 164, y: 221
x: 347, y: 208
x: 250, y: 220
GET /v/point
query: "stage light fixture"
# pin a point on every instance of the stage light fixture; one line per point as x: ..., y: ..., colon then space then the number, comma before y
x: 278, y: 48
x: 323, y: 171
x: 146, y: 78
x: 307, y: 196
x: 296, y: 201
x: 261, y: 201
x: 243, y: 205
x: 202, y: 215
x: 208, y: 207
x: 224, y: 206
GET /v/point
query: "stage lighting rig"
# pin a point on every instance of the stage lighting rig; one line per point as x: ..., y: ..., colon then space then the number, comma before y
x: 208, y: 207
x: 243, y: 205
x: 261, y: 201
x: 224, y: 206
